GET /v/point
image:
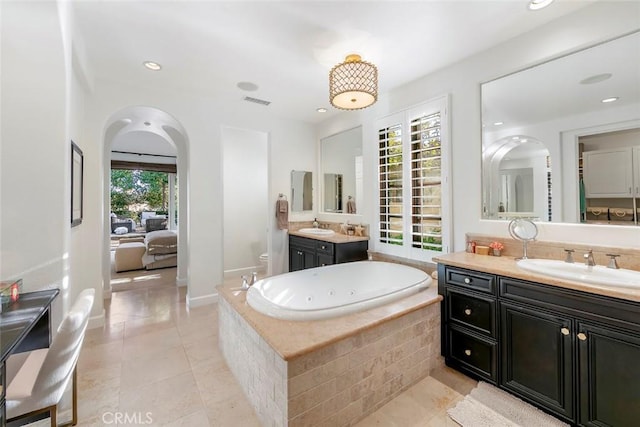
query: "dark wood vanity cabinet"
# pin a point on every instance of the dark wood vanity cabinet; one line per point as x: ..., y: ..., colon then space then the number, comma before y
x: 469, y: 322
x: 574, y: 354
x: 537, y: 357
x: 308, y: 253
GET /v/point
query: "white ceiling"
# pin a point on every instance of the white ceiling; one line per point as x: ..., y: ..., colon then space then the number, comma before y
x: 288, y: 47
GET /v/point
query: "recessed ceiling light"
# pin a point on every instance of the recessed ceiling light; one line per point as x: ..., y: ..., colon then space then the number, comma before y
x: 321, y: 110
x: 612, y: 99
x: 595, y: 79
x: 539, y: 4
x: 517, y: 138
x: 498, y: 123
x: 153, y: 66
x: 524, y: 140
x: 248, y: 86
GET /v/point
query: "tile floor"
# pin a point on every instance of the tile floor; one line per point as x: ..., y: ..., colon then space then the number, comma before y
x: 158, y: 363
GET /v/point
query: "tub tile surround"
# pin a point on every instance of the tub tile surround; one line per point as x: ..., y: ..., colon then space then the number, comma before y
x: 334, y: 371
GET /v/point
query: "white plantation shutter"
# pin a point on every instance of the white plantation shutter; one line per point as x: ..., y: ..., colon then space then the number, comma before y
x: 414, y: 214
x: 390, y: 178
x: 426, y: 183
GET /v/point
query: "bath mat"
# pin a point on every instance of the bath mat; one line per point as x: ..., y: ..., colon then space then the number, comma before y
x: 488, y: 406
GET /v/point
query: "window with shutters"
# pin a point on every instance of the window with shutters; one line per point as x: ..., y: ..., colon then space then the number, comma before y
x: 414, y: 197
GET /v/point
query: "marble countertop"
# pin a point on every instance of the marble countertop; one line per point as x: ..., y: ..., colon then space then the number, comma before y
x: 291, y: 339
x: 507, y: 266
x: 333, y: 238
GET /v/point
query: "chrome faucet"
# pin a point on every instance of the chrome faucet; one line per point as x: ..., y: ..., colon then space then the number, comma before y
x: 588, y: 259
x: 254, y: 278
x: 569, y: 257
x: 245, y: 283
x: 613, y: 263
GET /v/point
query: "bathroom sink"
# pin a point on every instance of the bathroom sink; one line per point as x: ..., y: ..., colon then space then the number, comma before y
x: 596, y: 275
x: 317, y: 231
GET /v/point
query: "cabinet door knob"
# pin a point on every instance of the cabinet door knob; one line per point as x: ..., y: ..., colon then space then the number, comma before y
x: 467, y: 311
x: 467, y: 352
x: 299, y: 253
x: 565, y: 331
x: 582, y: 336
x: 467, y: 280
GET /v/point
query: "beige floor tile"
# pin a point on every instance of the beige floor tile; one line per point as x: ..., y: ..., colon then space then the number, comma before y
x: 165, y: 401
x: 95, y: 402
x: 197, y: 419
x: 232, y: 412
x: 216, y: 383
x: 107, y: 376
x: 156, y: 355
x: 141, y: 372
x: 100, y: 355
x: 151, y: 344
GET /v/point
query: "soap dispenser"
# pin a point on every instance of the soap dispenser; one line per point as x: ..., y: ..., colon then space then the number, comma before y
x: 315, y: 223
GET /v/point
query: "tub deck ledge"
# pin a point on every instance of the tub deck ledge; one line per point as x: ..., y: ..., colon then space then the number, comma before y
x: 292, y: 339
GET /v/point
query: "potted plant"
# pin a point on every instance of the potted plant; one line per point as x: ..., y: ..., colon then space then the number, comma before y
x: 497, y: 248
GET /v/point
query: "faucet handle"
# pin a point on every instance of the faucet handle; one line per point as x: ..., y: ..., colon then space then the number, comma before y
x: 569, y: 257
x: 613, y: 263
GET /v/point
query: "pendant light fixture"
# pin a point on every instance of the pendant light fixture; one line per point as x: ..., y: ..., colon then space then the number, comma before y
x: 353, y: 84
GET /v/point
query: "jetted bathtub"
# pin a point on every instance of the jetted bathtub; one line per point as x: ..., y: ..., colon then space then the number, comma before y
x: 335, y: 290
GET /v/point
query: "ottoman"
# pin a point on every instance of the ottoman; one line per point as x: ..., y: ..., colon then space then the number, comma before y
x: 129, y: 256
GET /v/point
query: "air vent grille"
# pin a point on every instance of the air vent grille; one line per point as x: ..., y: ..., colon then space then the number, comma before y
x: 257, y: 101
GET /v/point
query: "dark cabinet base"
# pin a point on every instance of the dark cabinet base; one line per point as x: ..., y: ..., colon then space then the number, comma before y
x: 575, y: 355
x: 308, y: 253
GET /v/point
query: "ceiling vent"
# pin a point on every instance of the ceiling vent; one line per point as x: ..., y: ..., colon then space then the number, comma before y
x: 257, y: 101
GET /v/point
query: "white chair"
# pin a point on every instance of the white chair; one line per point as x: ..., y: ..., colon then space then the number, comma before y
x: 43, y: 375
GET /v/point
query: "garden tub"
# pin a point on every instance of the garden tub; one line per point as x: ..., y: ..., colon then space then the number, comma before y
x: 335, y: 290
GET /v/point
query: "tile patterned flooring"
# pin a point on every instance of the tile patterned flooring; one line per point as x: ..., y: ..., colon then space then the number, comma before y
x: 157, y: 363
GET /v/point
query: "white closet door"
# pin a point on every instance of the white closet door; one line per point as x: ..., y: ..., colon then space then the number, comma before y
x: 608, y: 173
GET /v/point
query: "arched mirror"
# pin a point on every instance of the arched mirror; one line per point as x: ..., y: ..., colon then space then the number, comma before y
x: 518, y: 170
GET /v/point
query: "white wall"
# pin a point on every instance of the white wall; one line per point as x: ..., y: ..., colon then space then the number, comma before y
x: 590, y: 25
x: 292, y: 146
x: 246, y: 191
x: 35, y: 151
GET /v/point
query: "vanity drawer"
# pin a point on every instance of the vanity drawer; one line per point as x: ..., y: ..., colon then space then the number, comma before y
x: 474, y: 354
x: 324, y: 248
x: 471, y: 279
x: 475, y: 312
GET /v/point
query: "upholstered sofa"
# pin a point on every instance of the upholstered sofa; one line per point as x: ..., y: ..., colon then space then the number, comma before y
x: 158, y: 249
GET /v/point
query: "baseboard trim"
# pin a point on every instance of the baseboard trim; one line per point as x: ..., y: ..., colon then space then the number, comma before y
x: 193, y: 302
x: 96, y: 321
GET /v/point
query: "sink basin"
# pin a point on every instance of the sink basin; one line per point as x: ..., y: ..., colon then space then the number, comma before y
x: 596, y: 275
x: 317, y: 231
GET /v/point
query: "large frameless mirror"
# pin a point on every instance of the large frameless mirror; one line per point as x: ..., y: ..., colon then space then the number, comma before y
x: 539, y: 124
x: 341, y: 168
x: 301, y: 191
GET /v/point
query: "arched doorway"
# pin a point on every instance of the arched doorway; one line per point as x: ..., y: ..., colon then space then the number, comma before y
x: 144, y: 119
